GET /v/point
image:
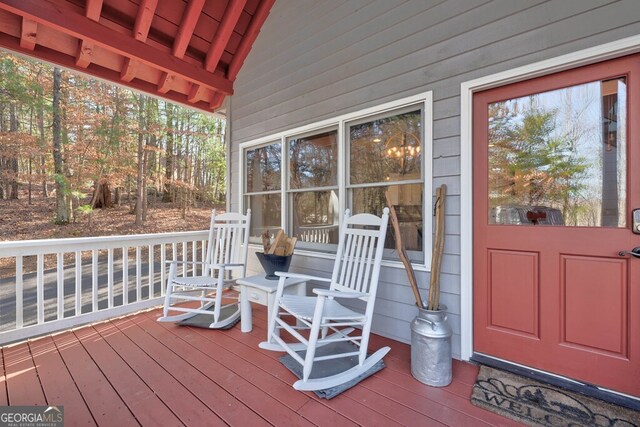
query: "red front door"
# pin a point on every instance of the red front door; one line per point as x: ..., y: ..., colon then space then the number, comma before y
x: 556, y: 179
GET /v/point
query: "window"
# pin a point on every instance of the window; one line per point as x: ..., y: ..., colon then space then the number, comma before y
x: 385, y: 160
x: 313, y: 190
x: 262, y: 188
x: 353, y: 161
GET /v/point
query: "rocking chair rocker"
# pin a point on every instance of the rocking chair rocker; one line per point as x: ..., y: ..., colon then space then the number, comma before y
x: 226, y: 252
x: 355, y: 276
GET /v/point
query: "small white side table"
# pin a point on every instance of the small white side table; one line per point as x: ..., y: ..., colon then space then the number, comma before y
x: 262, y: 291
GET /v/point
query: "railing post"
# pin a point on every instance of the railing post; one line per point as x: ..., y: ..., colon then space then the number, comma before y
x: 125, y: 275
x: 138, y: 273
x: 163, y: 263
x: 151, y: 273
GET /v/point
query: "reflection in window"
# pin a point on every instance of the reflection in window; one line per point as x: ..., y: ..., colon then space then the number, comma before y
x: 385, y: 155
x: 313, y: 185
x: 263, y: 168
x: 386, y: 149
x: 314, y: 161
x: 262, y: 188
x: 559, y: 157
x: 265, y: 214
x: 407, y: 201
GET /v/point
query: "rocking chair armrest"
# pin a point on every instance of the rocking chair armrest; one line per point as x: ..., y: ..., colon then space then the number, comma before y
x: 287, y: 274
x: 338, y: 294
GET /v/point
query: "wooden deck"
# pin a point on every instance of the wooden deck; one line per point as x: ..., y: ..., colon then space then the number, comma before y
x: 136, y: 371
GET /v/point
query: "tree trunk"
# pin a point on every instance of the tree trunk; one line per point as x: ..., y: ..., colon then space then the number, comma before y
x: 140, y: 178
x: 43, y: 166
x: 62, y: 207
x: 168, y: 194
x: 101, y: 195
x: 13, y: 160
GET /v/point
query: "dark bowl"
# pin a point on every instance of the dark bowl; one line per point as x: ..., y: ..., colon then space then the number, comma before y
x: 272, y: 263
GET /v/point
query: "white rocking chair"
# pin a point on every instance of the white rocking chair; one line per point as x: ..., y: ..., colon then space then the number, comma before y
x: 226, y: 253
x: 355, y: 276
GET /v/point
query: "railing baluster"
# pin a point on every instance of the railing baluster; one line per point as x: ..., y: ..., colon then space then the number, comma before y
x: 39, y: 318
x: 138, y: 273
x: 94, y: 280
x: 19, y: 293
x: 78, y: 298
x: 151, y: 273
x: 110, y: 278
x: 163, y: 267
x: 40, y: 288
x: 125, y: 275
x: 185, y: 249
x: 60, y: 284
x: 194, y: 258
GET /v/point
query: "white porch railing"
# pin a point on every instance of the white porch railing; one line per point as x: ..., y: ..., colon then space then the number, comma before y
x: 51, y: 285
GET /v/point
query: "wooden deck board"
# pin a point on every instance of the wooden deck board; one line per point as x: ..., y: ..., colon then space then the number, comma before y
x: 57, y: 383
x: 106, y: 406
x: 146, y: 406
x: 22, y: 378
x: 134, y: 370
x: 189, y: 409
x: 199, y: 378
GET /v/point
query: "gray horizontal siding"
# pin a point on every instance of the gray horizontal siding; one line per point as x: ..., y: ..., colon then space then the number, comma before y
x: 315, y: 60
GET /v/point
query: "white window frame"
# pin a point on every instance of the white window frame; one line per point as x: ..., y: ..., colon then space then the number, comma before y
x: 569, y: 61
x: 423, y: 100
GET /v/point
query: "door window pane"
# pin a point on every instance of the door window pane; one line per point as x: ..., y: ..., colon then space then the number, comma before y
x: 559, y: 157
x: 315, y: 216
x: 263, y: 168
x: 386, y: 149
x: 314, y: 161
x: 407, y: 202
x: 265, y: 214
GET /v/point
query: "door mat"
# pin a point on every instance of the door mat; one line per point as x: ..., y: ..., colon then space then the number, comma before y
x: 325, y: 368
x: 536, y: 404
x: 204, y: 320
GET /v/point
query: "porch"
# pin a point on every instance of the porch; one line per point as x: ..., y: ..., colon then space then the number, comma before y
x: 134, y: 370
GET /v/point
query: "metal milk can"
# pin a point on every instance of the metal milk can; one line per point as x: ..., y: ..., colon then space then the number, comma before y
x: 431, y: 347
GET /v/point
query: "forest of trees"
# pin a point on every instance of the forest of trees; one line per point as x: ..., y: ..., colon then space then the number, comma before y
x: 91, y: 144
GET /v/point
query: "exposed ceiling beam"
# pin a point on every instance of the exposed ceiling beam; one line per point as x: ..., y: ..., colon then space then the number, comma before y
x: 93, y: 9
x: 188, y: 24
x: 216, y: 100
x: 53, y: 56
x: 142, y: 25
x: 28, y: 34
x: 223, y: 34
x: 86, y: 48
x: 66, y: 19
x: 146, y: 10
x: 164, y: 84
x: 194, y: 93
x: 249, y: 37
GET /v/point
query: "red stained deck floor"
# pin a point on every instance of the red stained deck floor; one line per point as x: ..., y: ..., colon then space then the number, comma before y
x: 136, y: 371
